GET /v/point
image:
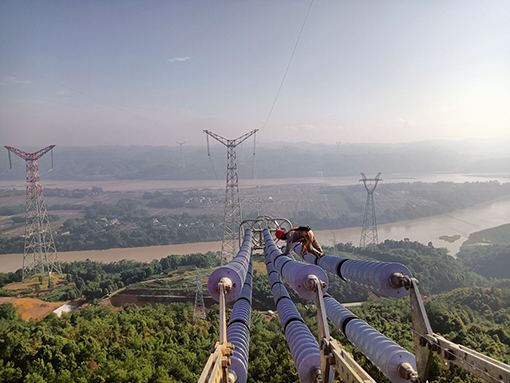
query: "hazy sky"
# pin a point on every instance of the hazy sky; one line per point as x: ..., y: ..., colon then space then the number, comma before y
x: 124, y: 72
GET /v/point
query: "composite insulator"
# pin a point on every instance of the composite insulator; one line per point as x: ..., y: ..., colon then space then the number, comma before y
x: 302, y: 344
x: 236, y: 271
x: 238, y: 331
x: 241, y: 312
x: 304, y: 350
x: 279, y: 291
x: 238, y: 334
x: 385, y: 354
x: 274, y: 277
x: 375, y: 276
x: 293, y: 272
x: 288, y: 312
x: 246, y: 292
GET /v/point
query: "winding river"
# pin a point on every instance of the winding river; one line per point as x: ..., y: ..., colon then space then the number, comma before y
x: 429, y: 229
x: 461, y: 222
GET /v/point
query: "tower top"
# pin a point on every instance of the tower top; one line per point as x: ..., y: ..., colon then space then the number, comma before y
x: 230, y: 143
x: 365, y: 180
x: 30, y: 156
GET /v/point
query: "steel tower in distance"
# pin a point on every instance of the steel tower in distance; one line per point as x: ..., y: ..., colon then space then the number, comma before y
x: 233, y: 214
x: 199, y: 312
x: 40, y: 254
x: 369, y: 230
x: 181, y: 157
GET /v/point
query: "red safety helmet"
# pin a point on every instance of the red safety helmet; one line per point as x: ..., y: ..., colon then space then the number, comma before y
x: 279, y: 233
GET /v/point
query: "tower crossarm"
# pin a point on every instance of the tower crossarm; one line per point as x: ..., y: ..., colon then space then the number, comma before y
x: 234, y: 142
x: 365, y: 180
x: 30, y: 156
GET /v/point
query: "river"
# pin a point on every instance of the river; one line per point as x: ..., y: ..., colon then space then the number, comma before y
x: 12, y: 262
x: 461, y: 222
x: 429, y: 229
x: 146, y: 185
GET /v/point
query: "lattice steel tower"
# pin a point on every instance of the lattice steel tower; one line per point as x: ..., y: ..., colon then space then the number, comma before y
x: 369, y: 230
x: 233, y: 214
x: 181, y: 157
x: 40, y: 254
x: 199, y: 312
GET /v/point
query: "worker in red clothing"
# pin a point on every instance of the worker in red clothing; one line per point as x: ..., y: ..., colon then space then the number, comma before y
x: 304, y: 235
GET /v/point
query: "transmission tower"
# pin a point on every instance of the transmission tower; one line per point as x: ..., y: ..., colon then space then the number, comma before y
x: 369, y: 231
x: 181, y: 158
x: 40, y: 254
x: 199, y: 312
x: 233, y: 215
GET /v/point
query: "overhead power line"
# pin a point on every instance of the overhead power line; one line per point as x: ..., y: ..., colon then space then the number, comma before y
x: 288, y: 66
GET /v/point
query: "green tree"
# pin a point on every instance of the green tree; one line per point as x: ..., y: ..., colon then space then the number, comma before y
x: 8, y: 311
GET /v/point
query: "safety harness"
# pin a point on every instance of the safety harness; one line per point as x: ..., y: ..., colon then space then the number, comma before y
x: 305, y: 239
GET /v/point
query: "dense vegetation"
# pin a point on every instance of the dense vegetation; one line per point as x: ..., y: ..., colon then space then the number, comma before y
x: 163, y: 344
x: 489, y: 261
x: 95, y: 280
x: 156, y: 344
x: 126, y: 224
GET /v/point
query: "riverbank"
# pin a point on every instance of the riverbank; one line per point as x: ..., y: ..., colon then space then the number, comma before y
x: 429, y: 229
x: 12, y: 262
x: 151, y: 185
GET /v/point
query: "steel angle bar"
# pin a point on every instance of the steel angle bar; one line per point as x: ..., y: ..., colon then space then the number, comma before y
x: 212, y: 370
x: 426, y: 343
x: 346, y: 367
x: 484, y: 367
x: 216, y: 368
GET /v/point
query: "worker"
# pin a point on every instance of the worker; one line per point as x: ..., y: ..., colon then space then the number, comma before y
x: 304, y: 235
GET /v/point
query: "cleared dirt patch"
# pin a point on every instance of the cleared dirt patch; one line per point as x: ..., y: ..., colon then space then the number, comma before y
x: 32, y: 307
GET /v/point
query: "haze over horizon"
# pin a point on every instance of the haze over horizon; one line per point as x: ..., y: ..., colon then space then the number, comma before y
x: 136, y: 73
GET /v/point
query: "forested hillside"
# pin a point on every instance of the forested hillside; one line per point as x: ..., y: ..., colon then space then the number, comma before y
x: 95, y: 280
x: 489, y: 261
x: 162, y: 344
x: 158, y: 343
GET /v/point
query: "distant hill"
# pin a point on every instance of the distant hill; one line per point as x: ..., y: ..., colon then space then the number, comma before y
x: 272, y: 160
